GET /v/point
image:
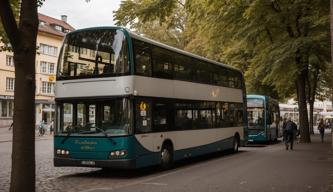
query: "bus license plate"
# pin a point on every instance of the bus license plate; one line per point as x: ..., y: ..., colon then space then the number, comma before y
x: 88, y: 162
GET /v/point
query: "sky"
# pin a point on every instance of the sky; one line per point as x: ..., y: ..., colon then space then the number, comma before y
x: 81, y: 14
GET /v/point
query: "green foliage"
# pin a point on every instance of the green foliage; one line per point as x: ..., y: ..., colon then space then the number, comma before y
x: 4, y: 42
x: 161, y: 20
x: 270, y: 41
x: 266, y: 37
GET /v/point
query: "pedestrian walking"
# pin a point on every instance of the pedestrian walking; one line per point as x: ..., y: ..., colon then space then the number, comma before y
x: 51, y: 126
x: 41, y: 128
x: 321, y: 128
x: 289, y: 132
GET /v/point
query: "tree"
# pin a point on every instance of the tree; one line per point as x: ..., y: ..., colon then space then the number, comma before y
x: 153, y: 19
x: 22, y: 38
x: 275, y: 42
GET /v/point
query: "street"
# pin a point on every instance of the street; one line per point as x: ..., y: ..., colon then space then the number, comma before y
x: 255, y: 168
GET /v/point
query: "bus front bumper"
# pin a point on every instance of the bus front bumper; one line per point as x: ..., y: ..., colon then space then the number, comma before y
x: 115, y: 163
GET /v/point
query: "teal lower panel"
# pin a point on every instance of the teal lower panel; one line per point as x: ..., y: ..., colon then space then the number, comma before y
x: 147, y: 160
x: 150, y: 159
x: 99, y: 148
x: 204, y: 149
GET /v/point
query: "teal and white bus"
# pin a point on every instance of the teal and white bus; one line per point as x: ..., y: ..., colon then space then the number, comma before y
x: 125, y: 101
x: 263, y: 118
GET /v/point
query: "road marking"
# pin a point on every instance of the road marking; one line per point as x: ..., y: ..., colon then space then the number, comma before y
x: 157, y: 184
x: 98, y: 189
x: 147, y: 180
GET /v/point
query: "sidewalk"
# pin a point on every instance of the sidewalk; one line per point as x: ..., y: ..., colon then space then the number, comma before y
x: 7, y: 135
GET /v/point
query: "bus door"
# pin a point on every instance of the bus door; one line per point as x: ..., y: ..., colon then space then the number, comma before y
x: 143, y: 131
x: 162, y: 122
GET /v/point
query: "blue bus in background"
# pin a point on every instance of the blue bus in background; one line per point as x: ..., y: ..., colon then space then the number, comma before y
x: 263, y: 118
x: 125, y: 101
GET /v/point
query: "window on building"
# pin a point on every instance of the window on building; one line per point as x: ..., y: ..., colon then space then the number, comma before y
x: 51, y: 68
x: 47, y: 87
x: 10, y: 60
x: 10, y: 84
x: 43, y: 66
x: 48, y: 50
x: 3, y: 108
x: 41, y: 23
x: 57, y: 27
x: 46, y: 67
x: 6, y: 108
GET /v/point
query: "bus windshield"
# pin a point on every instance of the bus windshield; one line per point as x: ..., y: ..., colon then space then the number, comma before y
x: 110, y: 117
x: 93, y: 53
x: 255, y: 110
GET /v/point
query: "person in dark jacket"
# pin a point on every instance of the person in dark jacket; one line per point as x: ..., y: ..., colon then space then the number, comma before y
x: 289, y: 132
x: 321, y: 128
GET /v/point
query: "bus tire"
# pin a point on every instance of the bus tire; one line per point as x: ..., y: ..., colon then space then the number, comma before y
x: 166, y: 157
x: 235, y: 145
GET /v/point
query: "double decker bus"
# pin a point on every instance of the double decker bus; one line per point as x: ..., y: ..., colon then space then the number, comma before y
x: 125, y: 101
x: 263, y: 119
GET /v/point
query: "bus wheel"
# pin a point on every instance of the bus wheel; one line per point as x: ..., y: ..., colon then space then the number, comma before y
x: 236, y: 144
x: 166, y: 157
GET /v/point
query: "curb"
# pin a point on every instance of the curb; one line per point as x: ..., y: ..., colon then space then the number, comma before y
x: 5, y: 141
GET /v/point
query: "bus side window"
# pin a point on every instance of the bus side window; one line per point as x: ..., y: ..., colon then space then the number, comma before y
x: 183, y: 116
x: 161, y: 117
x: 162, y: 63
x: 143, y: 116
x: 142, y: 58
x: 183, y: 68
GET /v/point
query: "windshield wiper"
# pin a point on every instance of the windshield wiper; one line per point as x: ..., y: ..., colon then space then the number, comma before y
x: 73, y: 128
x: 106, y: 135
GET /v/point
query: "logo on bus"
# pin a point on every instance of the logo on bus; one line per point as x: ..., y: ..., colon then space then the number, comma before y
x: 143, y: 106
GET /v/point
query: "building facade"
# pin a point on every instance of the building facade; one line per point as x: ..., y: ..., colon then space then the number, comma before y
x: 49, y: 40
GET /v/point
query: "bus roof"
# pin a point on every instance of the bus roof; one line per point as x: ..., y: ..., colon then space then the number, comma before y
x: 145, y: 39
x: 264, y: 97
x: 252, y: 96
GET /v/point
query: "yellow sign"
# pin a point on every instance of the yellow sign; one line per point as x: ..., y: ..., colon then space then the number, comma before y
x: 143, y: 106
x: 51, y: 78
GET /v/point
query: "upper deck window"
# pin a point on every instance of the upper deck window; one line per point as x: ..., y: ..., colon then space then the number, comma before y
x: 94, y: 53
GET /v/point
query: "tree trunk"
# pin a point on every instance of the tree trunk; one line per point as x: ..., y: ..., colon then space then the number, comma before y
x: 23, y: 152
x: 23, y: 41
x: 331, y: 15
x: 311, y: 104
x: 303, y: 112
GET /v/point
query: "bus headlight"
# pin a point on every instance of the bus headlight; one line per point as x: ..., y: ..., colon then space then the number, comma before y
x: 117, y: 154
x: 62, y: 152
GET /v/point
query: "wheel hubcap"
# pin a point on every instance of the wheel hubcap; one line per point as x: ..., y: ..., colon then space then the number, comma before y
x: 165, y: 156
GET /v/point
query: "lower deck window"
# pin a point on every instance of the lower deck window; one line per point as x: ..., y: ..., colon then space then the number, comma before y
x: 157, y: 115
